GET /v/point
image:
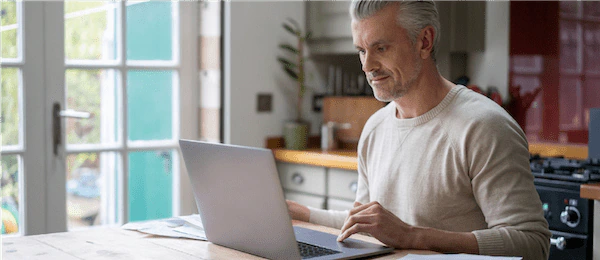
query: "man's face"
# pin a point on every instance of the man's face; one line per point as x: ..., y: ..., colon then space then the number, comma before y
x: 389, y: 59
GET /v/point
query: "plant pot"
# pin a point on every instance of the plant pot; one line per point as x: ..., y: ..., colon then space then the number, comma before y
x: 295, y: 135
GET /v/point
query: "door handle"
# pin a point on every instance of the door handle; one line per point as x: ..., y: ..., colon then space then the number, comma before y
x: 57, y: 116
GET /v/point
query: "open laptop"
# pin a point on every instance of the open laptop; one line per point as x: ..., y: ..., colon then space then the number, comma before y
x: 241, y: 203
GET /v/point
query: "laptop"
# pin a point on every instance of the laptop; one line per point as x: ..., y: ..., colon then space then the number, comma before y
x: 241, y: 203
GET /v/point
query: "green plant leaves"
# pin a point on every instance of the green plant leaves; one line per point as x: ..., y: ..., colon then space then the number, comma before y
x: 291, y: 30
x: 289, y: 48
x: 286, y: 63
x: 291, y: 73
x: 307, y: 36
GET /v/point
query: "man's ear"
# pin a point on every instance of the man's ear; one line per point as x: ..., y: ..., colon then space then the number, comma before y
x: 425, y: 42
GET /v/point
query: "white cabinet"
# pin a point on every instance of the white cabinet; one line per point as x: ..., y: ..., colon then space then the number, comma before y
x: 462, y: 22
x: 336, y: 204
x: 342, y: 184
x: 318, y: 202
x: 302, y: 178
x: 329, y: 24
x: 318, y: 187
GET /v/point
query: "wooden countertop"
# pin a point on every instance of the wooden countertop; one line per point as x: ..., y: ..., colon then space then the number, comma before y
x: 348, y: 159
x: 117, y: 243
x: 590, y: 191
x: 343, y: 159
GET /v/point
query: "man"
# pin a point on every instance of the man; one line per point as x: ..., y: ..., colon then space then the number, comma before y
x: 441, y: 167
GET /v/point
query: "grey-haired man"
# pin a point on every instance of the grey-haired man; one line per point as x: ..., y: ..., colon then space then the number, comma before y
x: 441, y: 167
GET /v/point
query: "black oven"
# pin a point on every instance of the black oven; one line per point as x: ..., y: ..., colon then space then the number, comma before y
x: 570, y: 217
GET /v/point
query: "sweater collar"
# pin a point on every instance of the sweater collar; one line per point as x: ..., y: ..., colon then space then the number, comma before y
x: 424, y: 118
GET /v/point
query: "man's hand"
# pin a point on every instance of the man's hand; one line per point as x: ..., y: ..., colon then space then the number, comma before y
x: 372, y: 218
x: 386, y: 227
x: 298, y: 211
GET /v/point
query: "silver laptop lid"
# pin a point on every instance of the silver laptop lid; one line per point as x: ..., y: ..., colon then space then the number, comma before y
x: 240, y: 198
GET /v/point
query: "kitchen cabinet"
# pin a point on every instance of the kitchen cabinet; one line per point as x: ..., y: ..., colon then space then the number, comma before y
x: 318, y: 187
x: 555, y: 46
x: 462, y: 26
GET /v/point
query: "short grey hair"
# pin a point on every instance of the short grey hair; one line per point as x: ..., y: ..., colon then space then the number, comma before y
x: 412, y: 16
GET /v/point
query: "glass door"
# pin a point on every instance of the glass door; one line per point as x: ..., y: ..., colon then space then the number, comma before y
x: 114, y: 81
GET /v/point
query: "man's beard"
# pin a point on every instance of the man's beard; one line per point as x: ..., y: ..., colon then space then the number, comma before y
x: 398, y: 90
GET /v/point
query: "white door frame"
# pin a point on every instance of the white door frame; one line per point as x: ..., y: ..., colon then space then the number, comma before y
x: 34, y: 93
x: 44, y: 180
x: 54, y: 78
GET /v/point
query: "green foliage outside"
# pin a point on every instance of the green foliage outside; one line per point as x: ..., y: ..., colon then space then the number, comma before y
x: 9, y: 37
x: 9, y: 107
x: 83, y: 40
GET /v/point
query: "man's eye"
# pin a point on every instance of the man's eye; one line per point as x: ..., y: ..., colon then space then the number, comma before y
x: 381, y: 49
x: 361, y: 52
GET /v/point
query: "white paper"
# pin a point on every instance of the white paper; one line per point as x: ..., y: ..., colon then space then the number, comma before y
x: 178, y: 227
x: 457, y: 257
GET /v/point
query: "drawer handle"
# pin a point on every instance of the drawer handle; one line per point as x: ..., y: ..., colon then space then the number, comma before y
x: 297, y: 178
x: 353, y: 186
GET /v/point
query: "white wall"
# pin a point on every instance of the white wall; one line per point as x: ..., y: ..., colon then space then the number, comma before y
x: 253, y: 32
x: 490, y: 68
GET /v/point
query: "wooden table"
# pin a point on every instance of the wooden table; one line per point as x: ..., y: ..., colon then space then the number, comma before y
x: 117, y: 243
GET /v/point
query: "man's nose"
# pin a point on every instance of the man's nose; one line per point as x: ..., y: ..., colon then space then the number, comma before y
x: 369, y: 63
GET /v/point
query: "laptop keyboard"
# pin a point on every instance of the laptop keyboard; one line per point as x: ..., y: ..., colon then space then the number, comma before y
x: 310, y: 251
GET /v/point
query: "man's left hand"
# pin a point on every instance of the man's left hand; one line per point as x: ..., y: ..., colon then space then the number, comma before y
x: 382, y: 224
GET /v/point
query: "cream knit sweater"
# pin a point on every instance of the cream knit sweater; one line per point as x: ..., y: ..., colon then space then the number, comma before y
x: 462, y: 166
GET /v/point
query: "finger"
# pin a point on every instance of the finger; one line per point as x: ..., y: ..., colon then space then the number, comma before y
x: 357, y: 204
x: 360, y: 227
x: 357, y: 219
x: 361, y: 207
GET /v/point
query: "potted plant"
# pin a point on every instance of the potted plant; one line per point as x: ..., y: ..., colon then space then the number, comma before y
x: 295, y: 132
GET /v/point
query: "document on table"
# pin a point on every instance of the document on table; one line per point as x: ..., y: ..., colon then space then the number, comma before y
x: 457, y: 257
x: 179, y: 227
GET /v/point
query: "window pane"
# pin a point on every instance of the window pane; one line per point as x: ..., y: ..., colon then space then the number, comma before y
x: 90, y: 30
x: 10, y: 106
x: 9, y: 25
x: 10, y: 194
x: 92, y: 91
x: 149, y: 105
x: 591, y: 50
x: 149, y: 32
x: 150, y: 179
x: 92, y: 189
x: 570, y: 105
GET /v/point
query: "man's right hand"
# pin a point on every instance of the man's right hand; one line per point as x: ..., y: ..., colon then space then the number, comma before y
x: 298, y: 211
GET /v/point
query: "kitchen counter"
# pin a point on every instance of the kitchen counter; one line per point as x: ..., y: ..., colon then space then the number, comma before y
x: 348, y: 159
x: 590, y: 191
x: 342, y: 159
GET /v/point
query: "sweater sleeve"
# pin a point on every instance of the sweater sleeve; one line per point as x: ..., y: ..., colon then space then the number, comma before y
x: 335, y: 218
x: 328, y: 218
x: 497, y: 157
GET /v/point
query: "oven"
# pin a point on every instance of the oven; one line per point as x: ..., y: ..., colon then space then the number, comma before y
x: 570, y: 217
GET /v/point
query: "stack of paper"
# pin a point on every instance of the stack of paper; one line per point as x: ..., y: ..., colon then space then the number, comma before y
x: 457, y: 257
x: 179, y: 227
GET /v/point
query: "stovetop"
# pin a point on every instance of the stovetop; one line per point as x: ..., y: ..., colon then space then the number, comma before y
x: 558, y: 168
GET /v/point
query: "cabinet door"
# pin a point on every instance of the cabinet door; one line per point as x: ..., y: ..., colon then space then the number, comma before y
x: 306, y: 200
x: 462, y: 25
x: 534, y: 27
x: 342, y: 184
x: 336, y: 204
x: 302, y: 178
x: 329, y: 19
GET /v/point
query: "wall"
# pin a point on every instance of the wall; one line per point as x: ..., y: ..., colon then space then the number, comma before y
x: 490, y: 68
x: 253, y: 32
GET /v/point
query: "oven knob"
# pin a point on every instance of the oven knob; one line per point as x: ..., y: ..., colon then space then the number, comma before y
x: 570, y: 216
x: 559, y: 242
